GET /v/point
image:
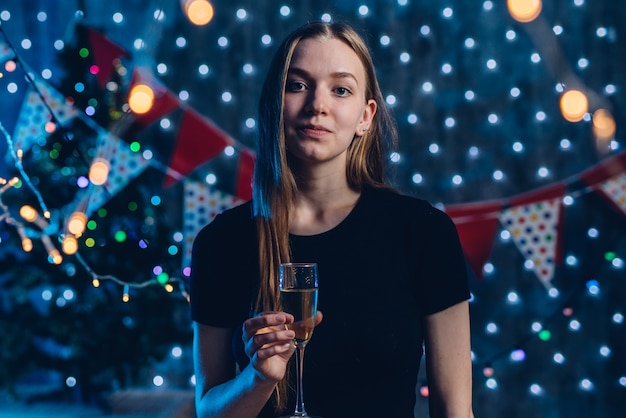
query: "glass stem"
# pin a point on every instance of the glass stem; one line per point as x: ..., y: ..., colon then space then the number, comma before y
x: 300, y: 412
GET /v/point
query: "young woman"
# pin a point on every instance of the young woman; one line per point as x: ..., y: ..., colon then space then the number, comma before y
x: 392, y: 273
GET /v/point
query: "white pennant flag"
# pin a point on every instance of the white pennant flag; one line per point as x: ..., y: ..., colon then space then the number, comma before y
x: 34, y: 115
x: 615, y: 189
x: 534, y: 228
x: 202, y: 205
x: 125, y: 165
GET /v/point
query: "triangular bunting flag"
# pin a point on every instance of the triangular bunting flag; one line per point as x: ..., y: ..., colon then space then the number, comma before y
x: 198, y: 141
x: 607, y: 177
x: 202, y: 205
x: 476, y: 224
x: 615, y: 190
x: 31, y: 124
x: 105, y: 52
x: 124, y: 164
x: 164, y: 101
x: 604, y: 170
x: 534, y: 228
x: 6, y: 53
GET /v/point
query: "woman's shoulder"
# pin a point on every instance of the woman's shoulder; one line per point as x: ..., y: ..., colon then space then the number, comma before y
x: 388, y: 197
x: 230, y: 222
x: 395, y: 203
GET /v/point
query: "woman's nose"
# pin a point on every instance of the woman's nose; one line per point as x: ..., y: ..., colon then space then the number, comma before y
x: 316, y: 102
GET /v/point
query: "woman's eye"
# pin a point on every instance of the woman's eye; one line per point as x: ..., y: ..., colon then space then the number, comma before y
x: 342, y: 91
x: 295, y: 86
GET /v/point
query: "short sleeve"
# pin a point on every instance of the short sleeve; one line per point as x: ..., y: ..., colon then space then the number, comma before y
x: 224, y: 265
x: 443, y: 268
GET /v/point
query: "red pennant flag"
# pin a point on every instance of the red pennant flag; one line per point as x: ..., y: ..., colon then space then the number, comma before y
x: 605, y: 177
x: 198, y: 141
x: 549, y: 192
x: 245, y: 172
x: 476, y: 224
x: 105, y: 52
x: 610, y: 167
x: 164, y: 101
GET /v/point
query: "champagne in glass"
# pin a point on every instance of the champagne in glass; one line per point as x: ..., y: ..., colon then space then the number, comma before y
x: 301, y: 303
x: 298, y: 296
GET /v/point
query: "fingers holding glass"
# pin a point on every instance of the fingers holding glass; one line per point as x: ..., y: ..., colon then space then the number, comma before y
x: 268, y: 343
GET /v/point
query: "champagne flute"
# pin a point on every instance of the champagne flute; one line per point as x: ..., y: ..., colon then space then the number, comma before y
x: 298, y: 296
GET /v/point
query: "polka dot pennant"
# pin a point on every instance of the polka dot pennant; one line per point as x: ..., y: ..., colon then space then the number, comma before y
x: 34, y: 115
x: 124, y: 164
x: 534, y: 228
x: 202, y: 205
x: 615, y: 189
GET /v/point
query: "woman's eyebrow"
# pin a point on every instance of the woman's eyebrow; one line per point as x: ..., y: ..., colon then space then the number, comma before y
x: 304, y: 73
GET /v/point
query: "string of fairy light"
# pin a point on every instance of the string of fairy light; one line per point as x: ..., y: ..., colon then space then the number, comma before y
x: 140, y: 101
x: 577, y: 103
x: 74, y: 228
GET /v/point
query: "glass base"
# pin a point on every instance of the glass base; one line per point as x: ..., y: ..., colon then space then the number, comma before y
x: 300, y: 416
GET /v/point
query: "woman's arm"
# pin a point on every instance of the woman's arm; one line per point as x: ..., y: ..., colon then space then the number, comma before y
x: 219, y: 393
x: 448, y: 362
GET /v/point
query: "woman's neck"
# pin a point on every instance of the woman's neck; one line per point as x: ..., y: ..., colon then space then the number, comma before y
x: 322, y: 203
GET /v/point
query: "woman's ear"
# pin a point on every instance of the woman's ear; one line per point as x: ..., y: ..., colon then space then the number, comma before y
x: 366, y: 118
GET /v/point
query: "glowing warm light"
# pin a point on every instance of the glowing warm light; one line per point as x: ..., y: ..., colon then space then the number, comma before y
x: 27, y: 244
x: 55, y: 257
x: 28, y: 213
x: 6, y: 185
x: 126, y: 295
x: 10, y: 66
x: 70, y: 245
x: 77, y: 223
x: 50, y: 127
x: 169, y: 288
x: 574, y: 105
x: 199, y: 12
x: 524, y: 10
x: 603, y: 124
x: 99, y: 171
x: 95, y: 282
x: 141, y: 98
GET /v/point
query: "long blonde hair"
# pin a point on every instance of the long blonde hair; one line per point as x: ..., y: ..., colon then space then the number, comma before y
x: 275, y: 186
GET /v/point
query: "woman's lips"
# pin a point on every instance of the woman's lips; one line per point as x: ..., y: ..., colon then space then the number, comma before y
x: 314, y: 131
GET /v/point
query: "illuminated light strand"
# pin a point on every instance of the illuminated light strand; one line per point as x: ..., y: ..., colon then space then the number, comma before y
x: 97, y: 279
x: 54, y: 255
x: 16, y: 155
x: 27, y: 243
x: 29, y: 214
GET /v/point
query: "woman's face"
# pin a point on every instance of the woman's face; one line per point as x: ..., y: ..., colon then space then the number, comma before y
x: 325, y: 104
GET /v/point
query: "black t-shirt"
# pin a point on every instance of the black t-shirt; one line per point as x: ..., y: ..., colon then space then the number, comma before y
x: 392, y: 260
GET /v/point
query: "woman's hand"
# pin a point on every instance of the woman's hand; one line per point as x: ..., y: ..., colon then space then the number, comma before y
x: 268, y: 343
